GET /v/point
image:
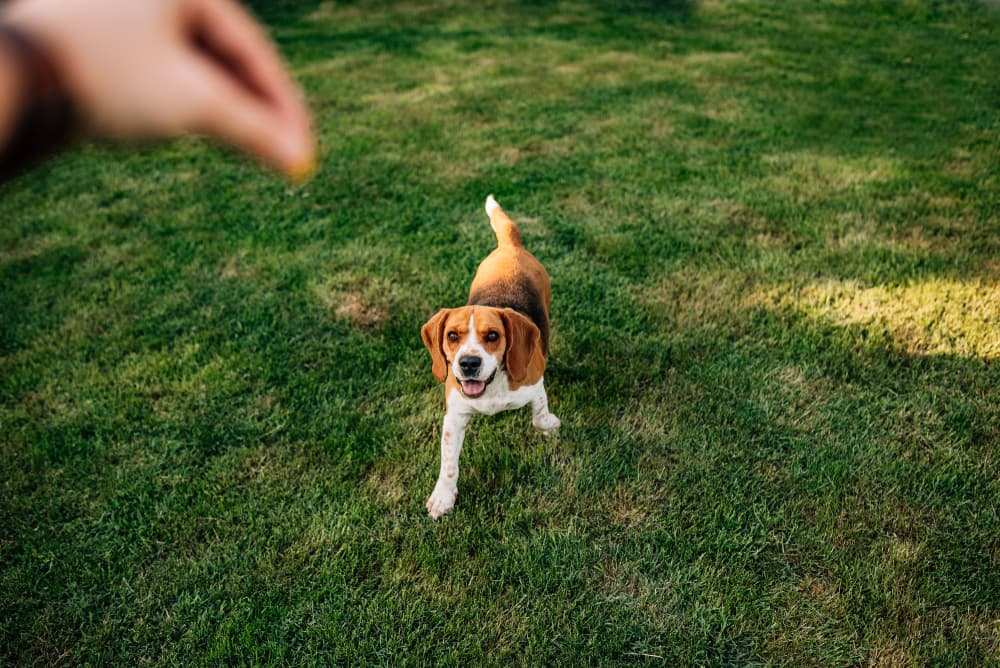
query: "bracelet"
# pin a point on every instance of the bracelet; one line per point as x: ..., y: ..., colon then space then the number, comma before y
x: 45, y: 121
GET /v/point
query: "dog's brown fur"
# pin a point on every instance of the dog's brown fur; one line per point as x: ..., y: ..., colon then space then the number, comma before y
x: 510, y: 294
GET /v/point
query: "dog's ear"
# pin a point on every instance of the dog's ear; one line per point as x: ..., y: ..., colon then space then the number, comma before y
x: 523, y: 338
x: 433, y: 335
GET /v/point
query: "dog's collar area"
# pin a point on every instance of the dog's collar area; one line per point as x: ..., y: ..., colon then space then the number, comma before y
x: 473, y: 389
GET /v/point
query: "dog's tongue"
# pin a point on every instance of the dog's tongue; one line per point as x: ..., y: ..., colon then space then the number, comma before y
x: 473, y: 388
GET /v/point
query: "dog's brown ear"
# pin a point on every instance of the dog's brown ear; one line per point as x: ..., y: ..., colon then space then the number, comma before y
x: 523, y: 339
x: 433, y: 335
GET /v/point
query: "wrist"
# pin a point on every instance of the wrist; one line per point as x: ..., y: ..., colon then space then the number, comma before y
x: 13, y: 93
x: 39, y: 118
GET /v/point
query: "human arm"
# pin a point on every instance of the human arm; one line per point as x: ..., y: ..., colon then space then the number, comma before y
x: 143, y: 69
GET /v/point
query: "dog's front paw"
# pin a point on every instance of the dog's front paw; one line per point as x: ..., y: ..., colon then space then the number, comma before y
x: 442, y: 500
x: 548, y: 424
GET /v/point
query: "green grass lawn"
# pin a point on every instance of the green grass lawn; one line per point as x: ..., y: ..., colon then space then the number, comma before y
x: 773, y: 232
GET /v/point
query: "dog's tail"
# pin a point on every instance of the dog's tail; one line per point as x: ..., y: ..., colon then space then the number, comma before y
x: 505, y: 228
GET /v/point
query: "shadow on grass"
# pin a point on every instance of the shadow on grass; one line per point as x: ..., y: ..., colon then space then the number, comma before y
x: 307, y: 33
x: 761, y: 431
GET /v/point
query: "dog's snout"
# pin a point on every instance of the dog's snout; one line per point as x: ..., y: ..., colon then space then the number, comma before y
x: 470, y: 365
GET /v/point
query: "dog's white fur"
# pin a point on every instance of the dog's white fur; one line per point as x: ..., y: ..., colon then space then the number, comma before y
x: 498, y: 397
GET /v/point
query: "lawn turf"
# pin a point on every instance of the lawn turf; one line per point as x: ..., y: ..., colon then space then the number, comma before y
x: 773, y: 232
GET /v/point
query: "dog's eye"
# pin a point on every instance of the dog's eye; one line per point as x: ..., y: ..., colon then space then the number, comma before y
x: 453, y: 337
x: 492, y: 337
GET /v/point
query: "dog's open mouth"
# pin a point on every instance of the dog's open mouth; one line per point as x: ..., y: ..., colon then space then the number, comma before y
x: 475, y: 388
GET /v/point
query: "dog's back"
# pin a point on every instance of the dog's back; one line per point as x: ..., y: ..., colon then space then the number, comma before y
x: 511, y: 277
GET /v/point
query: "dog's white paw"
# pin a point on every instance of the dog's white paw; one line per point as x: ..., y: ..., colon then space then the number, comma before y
x: 442, y: 500
x: 548, y: 424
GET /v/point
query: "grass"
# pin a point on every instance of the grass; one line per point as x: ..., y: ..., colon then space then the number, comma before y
x: 773, y: 231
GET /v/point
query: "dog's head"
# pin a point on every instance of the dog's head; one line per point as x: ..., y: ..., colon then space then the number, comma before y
x: 476, y: 341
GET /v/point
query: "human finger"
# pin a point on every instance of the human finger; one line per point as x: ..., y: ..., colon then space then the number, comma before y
x: 227, y: 111
x: 230, y: 35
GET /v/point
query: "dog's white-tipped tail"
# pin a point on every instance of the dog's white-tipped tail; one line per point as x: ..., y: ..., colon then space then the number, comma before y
x: 505, y: 228
x: 491, y: 206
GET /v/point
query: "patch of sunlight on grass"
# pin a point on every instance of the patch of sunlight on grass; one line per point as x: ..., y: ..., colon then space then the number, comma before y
x: 929, y: 317
x: 933, y: 316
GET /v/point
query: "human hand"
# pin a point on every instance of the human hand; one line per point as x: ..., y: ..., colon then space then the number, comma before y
x: 142, y: 69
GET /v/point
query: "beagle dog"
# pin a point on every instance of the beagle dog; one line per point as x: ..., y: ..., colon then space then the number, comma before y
x: 491, y: 352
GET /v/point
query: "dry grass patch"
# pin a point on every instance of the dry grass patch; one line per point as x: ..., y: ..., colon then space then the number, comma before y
x: 362, y: 299
x: 237, y: 267
x: 390, y: 484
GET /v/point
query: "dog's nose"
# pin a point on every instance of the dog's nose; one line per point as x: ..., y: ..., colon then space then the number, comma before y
x: 470, y: 365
